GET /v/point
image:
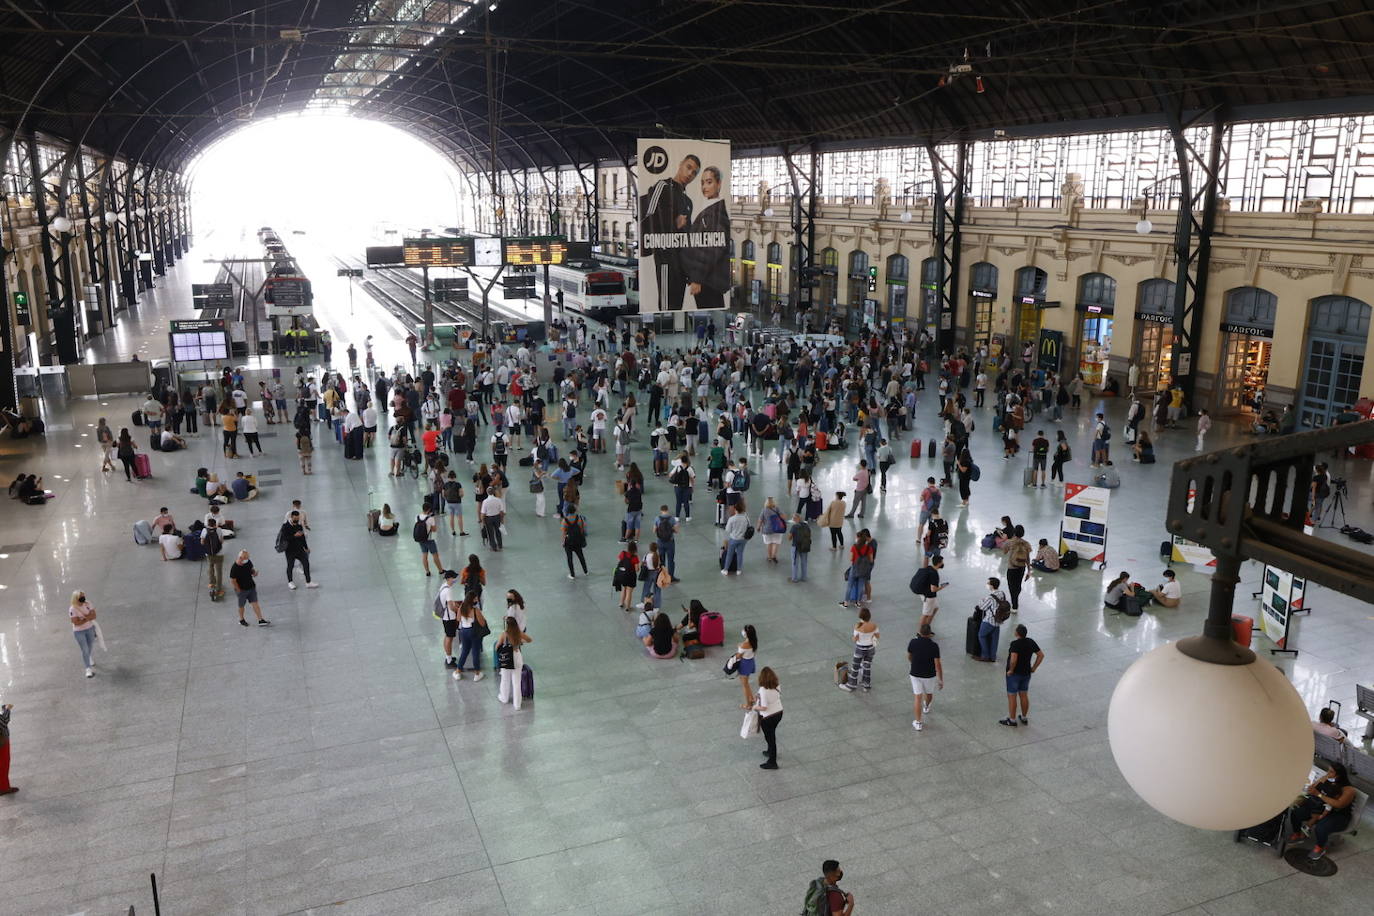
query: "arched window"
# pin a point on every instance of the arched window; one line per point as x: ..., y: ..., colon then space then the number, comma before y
x: 983, y: 276
x: 830, y: 268
x: 930, y: 296
x: 1250, y: 306
x: 1154, y: 352
x: 1340, y: 316
x: 1155, y: 298
x: 747, y: 251
x: 774, y: 253
x: 774, y: 275
x: 858, y: 280
x: 858, y: 264
x: 1097, y: 289
x: 1032, y: 281
x: 1337, y: 330
x: 898, y: 268
x: 898, y: 272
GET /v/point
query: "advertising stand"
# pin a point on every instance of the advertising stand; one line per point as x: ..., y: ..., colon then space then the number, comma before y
x: 1281, y: 596
x: 1084, y: 525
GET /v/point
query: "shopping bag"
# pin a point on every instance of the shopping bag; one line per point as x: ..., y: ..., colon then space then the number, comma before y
x: 750, y: 726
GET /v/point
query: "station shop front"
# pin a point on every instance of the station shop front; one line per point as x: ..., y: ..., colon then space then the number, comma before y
x: 1094, y: 313
x: 1247, y: 343
x: 1152, y: 350
x: 1032, y: 284
x: 982, y: 294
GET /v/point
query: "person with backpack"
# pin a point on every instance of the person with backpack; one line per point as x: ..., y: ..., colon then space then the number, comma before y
x: 422, y: 532
x: 772, y: 524
x: 452, y: 491
x: 1102, y: 434
x: 861, y: 559
x: 992, y: 612
x: 446, y: 610
x: 634, y: 502
x: 574, y: 540
x: 683, y: 479
x: 737, y: 481
x: 291, y: 541
x: 626, y: 574
x: 927, y: 586
x: 799, y: 536
x: 665, y: 527
x: 823, y: 896
x: 499, y: 448
x: 937, y: 535
x: 510, y: 661
x: 213, y: 544
x: 472, y: 629
x: 1018, y: 551
x: 930, y: 498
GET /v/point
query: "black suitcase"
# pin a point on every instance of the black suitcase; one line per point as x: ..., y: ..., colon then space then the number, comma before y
x: 734, y: 566
x: 137, y: 418
x: 155, y: 442
x: 971, y: 646
x: 1132, y: 606
x: 930, y: 449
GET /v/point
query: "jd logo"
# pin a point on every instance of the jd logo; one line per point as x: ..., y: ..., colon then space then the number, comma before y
x: 655, y: 160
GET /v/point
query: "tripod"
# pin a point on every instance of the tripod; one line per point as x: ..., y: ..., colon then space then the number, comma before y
x: 1334, y: 509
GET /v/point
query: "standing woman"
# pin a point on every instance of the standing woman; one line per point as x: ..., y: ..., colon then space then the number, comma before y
x: 473, y: 579
x: 744, y: 653
x: 250, y: 430
x: 189, y: 409
x: 865, y: 644
x: 861, y: 559
x: 510, y: 661
x: 515, y: 607
x: 537, y: 483
x: 5, y: 787
x: 83, y: 628
x: 229, y: 419
x: 1062, y: 456
x: 626, y: 574
x: 126, y: 453
x: 472, y: 629
x: 773, y: 526
x: 769, y: 708
x: 648, y: 574
x: 105, y: 436
x: 833, y: 519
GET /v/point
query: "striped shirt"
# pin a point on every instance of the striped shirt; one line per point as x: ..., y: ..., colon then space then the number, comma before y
x: 4, y: 726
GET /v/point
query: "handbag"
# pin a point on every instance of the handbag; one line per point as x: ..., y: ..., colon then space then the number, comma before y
x: 731, y: 665
x: 750, y: 725
x: 536, y: 485
x: 664, y: 578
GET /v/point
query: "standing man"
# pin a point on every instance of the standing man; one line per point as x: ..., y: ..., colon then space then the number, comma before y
x: 426, y: 527
x: 214, y: 558
x: 824, y: 894
x: 1020, y: 667
x: 1040, y: 453
x: 990, y: 621
x: 296, y: 548
x: 1319, y: 491
x: 1102, y: 434
x: 493, y: 514
x: 735, y: 528
x: 665, y: 209
x: 926, y: 584
x: 927, y: 674
x: 447, y: 610
x: 863, y: 485
x: 930, y: 498
x: 799, y: 536
x: 665, y: 526
x: 1018, y: 551
x: 242, y: 574
x: 683, y: 478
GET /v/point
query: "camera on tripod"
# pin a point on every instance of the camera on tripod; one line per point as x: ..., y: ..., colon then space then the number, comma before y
x: 1338, y: 486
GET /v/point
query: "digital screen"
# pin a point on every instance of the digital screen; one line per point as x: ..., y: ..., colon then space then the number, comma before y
x: 1073, y: 510
x: 438, y: 252
x: 536, y: 251
x: 1277, y: 603
x: 1093, y: 529
x: 380, y: 255
x: 190, y: 346
x: 1271, y: 578
x: 487, y: 252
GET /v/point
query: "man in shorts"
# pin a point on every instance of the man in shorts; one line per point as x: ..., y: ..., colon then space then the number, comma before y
x: 931, y: 498
x: 242, y: 575
x: 448, y: 615
x: 1020, y: 667
x: 926, y: 584
x: 429, y: 546
x: 927, y: 674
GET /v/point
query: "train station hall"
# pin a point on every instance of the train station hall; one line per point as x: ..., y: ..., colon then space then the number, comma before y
x: 623, y: 458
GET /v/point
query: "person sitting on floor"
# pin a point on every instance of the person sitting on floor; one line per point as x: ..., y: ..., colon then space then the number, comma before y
x: 16, y: 484
x: 1170, y: 592
x: 222, y: 521
x: 386, y: 522
x: 1117, y: 591
x: 171, y: 442
x: 208, y: 485
x: 1046, y: 557
x: 30, y: 491
x: 164, y: 518
x: 662, y: 639
x: 242, y: 487
x: 170, y: 543
x: 1143, y: 451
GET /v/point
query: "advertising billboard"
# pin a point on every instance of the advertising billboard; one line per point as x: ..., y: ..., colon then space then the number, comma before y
x: 684, y: 225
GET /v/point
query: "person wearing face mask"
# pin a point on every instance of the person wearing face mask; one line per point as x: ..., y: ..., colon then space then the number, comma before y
x: 824, y: 894
x: 990, y: 611
x: 82, y: 615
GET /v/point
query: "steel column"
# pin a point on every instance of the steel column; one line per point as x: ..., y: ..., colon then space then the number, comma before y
x: 96, y: 252
x: 947, y: 220
x: 60, y: 304
x: 805, y: 278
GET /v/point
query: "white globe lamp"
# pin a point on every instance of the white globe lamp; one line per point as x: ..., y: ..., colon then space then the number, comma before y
x: 1144, y: 227
x: 906, y: 216
x: 1218, y: 745
x: 768, y: 212
x: 61, y: 224
x: 110, y: 216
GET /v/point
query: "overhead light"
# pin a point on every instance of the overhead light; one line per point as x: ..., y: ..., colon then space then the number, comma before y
x: 768, y: 211
x: 111, y: 216
x: 906, y: 216
x: 61, y: 224
x: 1144, y: 227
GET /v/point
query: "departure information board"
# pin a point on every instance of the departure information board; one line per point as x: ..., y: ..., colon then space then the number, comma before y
x: 198, y: 339
x: 438, y: 252
x: 536, y: 251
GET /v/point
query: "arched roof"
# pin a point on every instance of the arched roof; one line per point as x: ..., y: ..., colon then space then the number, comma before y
x: 577, y: 80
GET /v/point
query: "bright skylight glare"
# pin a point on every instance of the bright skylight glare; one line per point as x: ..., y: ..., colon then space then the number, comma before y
x: 335, y: 177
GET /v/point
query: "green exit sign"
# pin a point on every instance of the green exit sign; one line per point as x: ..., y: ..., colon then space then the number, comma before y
x: 22, y: 314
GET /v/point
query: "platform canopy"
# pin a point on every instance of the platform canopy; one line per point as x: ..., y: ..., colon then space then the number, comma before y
x: 554, y: 81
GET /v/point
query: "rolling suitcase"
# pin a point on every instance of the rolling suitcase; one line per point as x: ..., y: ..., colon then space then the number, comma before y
x: 1131, y: 606
x: 143, y: 532
x: 915, y: 448
x: 191, y: 547
x: 931, y: 449
x: 1242, y: 628
x: 1027, y: 477
x: 372, y: 516
x: 822, y: 441
x: 720, y: 509
x: 734, y: 566
x: 143, y: 468
x: 711, y: 629
x: 526, y: 682
x: 154, y: 442
x: 971, y: 646
x: 137, y: 418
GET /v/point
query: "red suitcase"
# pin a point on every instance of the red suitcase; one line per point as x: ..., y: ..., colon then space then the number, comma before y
x: 142, y: 466
x: 711, y: 629
x: 822, y: 441
x: 915, y: 448
x: 1241, y: 628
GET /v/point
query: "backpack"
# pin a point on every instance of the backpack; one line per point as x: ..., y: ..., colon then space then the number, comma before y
x: 1106, y: 433
x: 776, y: 525
x: 420, y: 533
x: 453, y: 491
x: 663, y: 528
x: 212, y: 543
x: 398, y: 437
x: 280, y: 544
x: 679, y: 477
x: 741, y: 480
x: 438, y: 609
x: 498, y: 447
x: 1003, y: 610
x: 817, y: 900
x: 576, y: 536
x: 974, y: 472
x: 505, y: 656
x: 863, y: 565
x: 802, y: 541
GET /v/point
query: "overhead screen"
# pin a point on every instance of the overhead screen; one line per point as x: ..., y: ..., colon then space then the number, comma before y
x: 481, y: 251
x: 197, y: 340
x: 684, y: 225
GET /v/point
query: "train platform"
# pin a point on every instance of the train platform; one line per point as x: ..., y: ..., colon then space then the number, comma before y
x: 330, y: 760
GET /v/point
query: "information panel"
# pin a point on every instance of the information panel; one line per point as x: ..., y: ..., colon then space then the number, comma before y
x: 438, y: 252
x: 193, y: 340
x: 1281, y: 595
x: 1084, y: 526
x: 531, y: 251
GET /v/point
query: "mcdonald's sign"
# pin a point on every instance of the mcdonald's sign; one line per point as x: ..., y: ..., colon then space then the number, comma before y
x: 1051, y: 346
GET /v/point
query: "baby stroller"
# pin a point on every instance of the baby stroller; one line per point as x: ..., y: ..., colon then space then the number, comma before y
x: 412, y: 462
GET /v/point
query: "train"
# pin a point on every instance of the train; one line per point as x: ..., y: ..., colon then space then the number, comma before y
x: 286, y: 291
x: 603, y: 293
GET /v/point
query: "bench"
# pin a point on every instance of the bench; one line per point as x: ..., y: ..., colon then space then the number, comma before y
x: 1364, y: 708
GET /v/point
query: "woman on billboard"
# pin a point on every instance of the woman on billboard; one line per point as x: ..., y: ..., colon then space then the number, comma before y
x: 708, y: 269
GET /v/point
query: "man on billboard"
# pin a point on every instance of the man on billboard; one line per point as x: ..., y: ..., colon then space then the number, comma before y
x: 708, y: 269
x: 667, y: 208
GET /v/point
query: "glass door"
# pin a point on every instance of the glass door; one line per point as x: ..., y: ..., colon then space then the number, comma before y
x: 1331, y: 380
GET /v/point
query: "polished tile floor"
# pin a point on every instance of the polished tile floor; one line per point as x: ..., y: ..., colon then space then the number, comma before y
x: 330, y: 764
